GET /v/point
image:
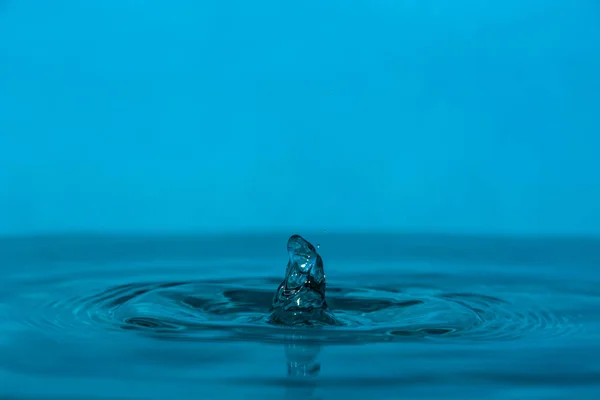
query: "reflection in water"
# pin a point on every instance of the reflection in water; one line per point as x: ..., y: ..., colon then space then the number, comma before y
x: 303, y: 368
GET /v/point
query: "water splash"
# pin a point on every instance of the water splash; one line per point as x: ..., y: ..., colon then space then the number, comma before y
x: 403, y: 306
x: 300, y: 298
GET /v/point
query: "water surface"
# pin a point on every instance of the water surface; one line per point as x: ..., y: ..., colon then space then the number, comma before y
x: 421, y: 316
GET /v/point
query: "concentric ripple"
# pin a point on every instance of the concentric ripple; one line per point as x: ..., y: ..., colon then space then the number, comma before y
x: 225, y: 310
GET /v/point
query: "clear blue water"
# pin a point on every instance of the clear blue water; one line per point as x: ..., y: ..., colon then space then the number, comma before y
x: 431, y: 317
x: 217, y: 116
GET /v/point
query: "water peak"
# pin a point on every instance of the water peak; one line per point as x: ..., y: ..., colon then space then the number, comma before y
x: 300, y: 298
x: 305, y: 266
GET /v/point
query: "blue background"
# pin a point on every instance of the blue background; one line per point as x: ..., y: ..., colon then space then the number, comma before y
x: 223, y: 116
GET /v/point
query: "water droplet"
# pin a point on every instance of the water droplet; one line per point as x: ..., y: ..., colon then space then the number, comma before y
x: 300, y: 298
